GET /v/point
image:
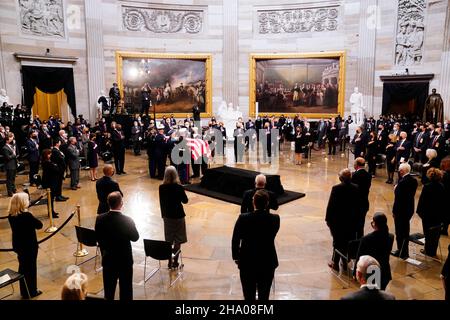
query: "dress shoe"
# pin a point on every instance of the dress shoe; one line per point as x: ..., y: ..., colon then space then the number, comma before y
x: 66, y: 198
x: 37, y: 293
x: 61, y: 199
x: 119, y: 173
x: 333, y: 266
x: 422, y: 251
x: 123, y: 172
x: 74, y: 188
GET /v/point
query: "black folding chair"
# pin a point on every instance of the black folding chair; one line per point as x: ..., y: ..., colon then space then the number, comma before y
x: 13, y: 277
x: 88, y: 238
x: 160, y: 250
x: 347, y: 257
x: 434, y: 234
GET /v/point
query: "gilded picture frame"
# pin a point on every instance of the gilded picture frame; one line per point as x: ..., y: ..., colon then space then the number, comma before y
x: 122, y: 57
x: 265, y: 106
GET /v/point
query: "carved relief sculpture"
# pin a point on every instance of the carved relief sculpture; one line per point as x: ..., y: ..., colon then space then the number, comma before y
x: 410, y: 32
x: 42, y: 17
x: 162, y: 20
x: 298, y: 20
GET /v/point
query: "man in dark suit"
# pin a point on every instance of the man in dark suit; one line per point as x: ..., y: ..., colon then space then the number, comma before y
x: 341, y: 217
x: 403, y: 208
x: 114, y: 232
x: 363, y: 180
x: 378, y: 244
x: 9, y: 151
x: 445, y: 276
x: 366, y: 270
x: 73, y: 160
x: 438, y: 144
x: 104, y: 187
x: 33, y: 156
x: 58, y: 158
x: 118, y: 147
x: 247, y: 200
x: 359, y: 141
x: 253, y: 248
x: 402, y: 148
x: 420, y: 144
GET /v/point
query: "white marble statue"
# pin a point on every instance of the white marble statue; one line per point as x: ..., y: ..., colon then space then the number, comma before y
x: 3, y: 97
x: 357, y: 109
x: 229, y: 115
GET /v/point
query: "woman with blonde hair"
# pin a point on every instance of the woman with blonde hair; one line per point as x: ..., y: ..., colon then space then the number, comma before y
x: 24, y: 242
x: 171, y: 199
x: 75, y: 287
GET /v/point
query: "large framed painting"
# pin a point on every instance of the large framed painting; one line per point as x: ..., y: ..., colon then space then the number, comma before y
x: 165, y: 84
x: 308, y: 84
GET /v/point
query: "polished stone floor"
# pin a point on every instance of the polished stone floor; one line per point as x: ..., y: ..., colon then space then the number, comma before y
x: 303, y: 242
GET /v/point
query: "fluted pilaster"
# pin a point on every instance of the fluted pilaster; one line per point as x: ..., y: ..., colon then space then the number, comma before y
x: 366, y: 53
x: 95, y: 53
x: 444, y: 82
x: 230, y: 51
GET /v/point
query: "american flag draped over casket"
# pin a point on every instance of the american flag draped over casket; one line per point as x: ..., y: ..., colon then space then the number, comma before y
x: 198, y: 148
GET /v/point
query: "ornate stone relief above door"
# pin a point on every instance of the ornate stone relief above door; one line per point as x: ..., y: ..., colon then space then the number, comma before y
x: 410, y: 32
x: 162, y: 20
x: 43, y: 18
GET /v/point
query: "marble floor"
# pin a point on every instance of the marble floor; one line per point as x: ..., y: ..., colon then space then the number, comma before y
x: 303, y: 242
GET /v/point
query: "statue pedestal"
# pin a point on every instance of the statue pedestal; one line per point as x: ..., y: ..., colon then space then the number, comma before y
x: 352, y: 130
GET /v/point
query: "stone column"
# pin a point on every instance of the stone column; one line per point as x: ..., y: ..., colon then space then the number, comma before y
x: 230, y: 51
x: 95, y: 54
x: 2, y: 67
x: 368, y: 21
x: 444, y: 83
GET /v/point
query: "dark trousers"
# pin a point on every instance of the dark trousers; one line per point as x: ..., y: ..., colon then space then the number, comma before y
x: 152, y: 167
x: 197, y: 166
x: 402, y: 235
x: 331, y: 148
x: 431, y: 240
x: 372, y: 161
x: 125, y: 276
x: 74, y: 177
x: 11, y: 181
x: 447, y: 288
x: 34, y: 169
x: 161, y: 164
x: 183, y: 172
x: 340, y: 245
x: 58, y: 187
x: 256, y: 279
x: 137, y: 147
x: 119, y: 160
x: 28, y: 267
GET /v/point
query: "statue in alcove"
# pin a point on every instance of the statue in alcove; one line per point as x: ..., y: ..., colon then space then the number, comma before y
x: 434, y: 106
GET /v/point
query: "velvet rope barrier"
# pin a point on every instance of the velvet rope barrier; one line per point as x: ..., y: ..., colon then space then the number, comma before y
x: 32, y: 203
x: 49, y: 236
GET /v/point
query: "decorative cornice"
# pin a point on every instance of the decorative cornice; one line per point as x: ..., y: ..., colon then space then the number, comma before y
x: 408, y: 78
x: 162, y: 20
x: 37, y: 57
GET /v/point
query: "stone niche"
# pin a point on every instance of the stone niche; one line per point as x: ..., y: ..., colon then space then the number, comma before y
x: 410, y: 32
x: 42, y: 18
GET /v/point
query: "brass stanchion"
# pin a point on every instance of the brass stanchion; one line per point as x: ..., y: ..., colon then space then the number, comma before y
x: 81, y: 252
x: 52, y: 227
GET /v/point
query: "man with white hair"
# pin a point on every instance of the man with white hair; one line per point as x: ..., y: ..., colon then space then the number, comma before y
x: 367, y: 270
x: 403, y: 148
x: 260, y: 184
x: 403, y: 208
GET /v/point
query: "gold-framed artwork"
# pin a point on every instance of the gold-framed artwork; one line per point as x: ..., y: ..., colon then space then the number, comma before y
x: 308, y: 84
x: 174, y: 83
